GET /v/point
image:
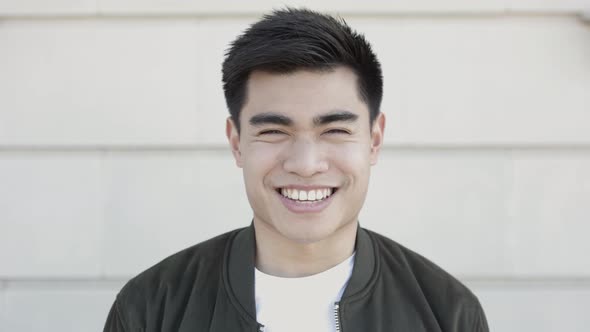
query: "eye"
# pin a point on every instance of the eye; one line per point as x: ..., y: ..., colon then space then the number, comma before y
x: 337, y: 131
x: 271, y: 132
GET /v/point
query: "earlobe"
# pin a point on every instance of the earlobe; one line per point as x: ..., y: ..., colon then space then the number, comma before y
x: 377, y: 137
x: 233, y: 137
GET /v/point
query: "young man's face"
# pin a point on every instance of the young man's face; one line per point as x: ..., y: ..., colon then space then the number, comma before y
x: 305, y: 135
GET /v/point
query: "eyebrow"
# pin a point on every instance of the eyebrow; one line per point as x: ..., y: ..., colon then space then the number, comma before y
x: 338, y: 116
x: 270, y: 118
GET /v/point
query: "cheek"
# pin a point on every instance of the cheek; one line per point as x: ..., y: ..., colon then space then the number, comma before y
x: 352, y: 159
x: 259, y: 160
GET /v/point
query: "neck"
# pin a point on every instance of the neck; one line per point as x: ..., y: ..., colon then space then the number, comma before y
x: 283, y: 257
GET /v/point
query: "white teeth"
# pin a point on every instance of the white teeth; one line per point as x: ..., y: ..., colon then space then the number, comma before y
x: 319, y: 194
x: 302, y: 195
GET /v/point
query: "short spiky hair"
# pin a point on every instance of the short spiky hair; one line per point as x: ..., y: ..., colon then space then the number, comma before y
x: 292, y: 39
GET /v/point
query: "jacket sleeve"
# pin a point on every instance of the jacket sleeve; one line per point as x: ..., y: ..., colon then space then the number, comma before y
x: 115, y: 322
x: 475, y: 320
x: 480, y: 323
x: 471, y: 318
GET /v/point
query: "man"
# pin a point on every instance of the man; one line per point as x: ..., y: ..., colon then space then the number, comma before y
x: 304, y: 92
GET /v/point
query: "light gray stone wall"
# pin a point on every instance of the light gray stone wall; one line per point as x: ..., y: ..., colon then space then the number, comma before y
x: 113, y: 153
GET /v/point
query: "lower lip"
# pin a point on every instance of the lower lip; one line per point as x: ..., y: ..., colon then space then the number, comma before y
x: 307, y: 207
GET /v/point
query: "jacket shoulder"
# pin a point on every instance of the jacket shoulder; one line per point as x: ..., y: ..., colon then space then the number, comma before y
x: 192, y: 274
x: 428, y: 275
x: 449, y: 299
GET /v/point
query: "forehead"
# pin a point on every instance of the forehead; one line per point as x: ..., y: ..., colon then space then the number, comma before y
x: 303, y: 94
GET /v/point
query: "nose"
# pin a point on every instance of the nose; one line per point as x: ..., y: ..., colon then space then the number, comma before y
x: 305, y: 158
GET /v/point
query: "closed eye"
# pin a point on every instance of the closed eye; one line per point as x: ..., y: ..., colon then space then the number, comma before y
x: 337, y: 131
x: 271, y: 132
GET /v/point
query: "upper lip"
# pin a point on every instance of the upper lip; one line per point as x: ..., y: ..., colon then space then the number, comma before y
x: 305, y: 187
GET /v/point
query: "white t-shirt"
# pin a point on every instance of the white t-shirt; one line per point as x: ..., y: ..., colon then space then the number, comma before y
x: 301, y: 304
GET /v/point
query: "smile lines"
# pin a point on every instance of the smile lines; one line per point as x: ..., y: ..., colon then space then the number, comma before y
x: 306, y: 195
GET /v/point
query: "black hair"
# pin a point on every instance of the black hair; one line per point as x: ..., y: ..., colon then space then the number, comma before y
x: 291, y: 39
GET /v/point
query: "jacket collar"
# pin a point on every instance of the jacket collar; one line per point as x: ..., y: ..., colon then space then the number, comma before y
x: 240, y: 261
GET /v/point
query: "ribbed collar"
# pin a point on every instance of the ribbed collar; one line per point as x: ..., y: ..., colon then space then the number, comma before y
x: 240, y: 261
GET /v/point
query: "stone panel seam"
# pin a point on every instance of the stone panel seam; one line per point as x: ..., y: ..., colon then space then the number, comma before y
x: 582, y: 147
x: 191, y: 15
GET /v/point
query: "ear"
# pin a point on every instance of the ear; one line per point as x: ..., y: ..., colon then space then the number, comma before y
x: 233, y: 137
x: 377, y: 137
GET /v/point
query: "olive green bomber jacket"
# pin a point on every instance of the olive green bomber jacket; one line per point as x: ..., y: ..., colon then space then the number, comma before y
x: 210, y: 287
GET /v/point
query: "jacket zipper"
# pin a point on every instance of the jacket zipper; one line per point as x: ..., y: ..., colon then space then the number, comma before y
x: 337, y: 316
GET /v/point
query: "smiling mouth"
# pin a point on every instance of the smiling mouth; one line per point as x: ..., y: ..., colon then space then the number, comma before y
x: 306, y: 196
